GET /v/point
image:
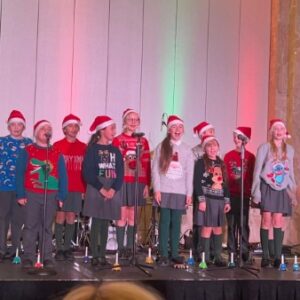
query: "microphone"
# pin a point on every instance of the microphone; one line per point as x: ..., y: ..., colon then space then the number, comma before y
x: 242, y: 138
x: 138, y: 134
x: 48, y: 135
x: 163, y: 123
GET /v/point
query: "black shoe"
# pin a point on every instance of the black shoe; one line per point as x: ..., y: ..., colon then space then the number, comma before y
x: 265, y: 262
x: 178, y: 260
x: 163, y: 261
x: 60, y: 255
x: 69, y: 255
x: 103, y: 262
x: 48, y: 263
x: 245, y: 256
x: 219, y: 262
x: 95, y: 261
x: 276, y: 263
x: 122, y: 253
x: 27, y: 263
x: 128, y: 254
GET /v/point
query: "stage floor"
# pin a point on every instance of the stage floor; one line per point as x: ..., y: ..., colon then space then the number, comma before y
x: 172, y: 283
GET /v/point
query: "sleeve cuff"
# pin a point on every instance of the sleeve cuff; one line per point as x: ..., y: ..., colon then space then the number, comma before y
x: 227, y: 200
x: 201, y: 199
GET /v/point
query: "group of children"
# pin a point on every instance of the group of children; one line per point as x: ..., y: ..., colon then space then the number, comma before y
x: 112, y: 172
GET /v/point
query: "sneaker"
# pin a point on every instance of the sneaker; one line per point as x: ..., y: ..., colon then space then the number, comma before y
x: 163, y: 261
x: 265, y: 262
x: 128, y: 253
x: 60, y: 255
x: 122, y: 254
x: 27, y: 263
x: 94, y: 261
x: 103, y: 262
x: 69, y: 255
x: 48, y: 263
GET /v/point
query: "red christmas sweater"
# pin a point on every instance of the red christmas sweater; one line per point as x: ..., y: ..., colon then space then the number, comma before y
x: 127, y: 146
x: 73, y: 154
x: 232, y: 160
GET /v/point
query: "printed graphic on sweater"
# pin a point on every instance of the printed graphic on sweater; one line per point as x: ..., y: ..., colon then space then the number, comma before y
x: 235, y: 170
x: 40, y: 168
x: 107, y: 164
x: 175, y: 170
x: 278, y: 172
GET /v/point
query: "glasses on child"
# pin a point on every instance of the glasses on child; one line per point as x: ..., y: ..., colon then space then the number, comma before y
x: 133, y: 120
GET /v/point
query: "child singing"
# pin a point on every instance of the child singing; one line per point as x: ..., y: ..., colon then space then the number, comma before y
x: 103, y: 172
x: 274, y: 187
x: 211, y: 190
x: 172, y: 175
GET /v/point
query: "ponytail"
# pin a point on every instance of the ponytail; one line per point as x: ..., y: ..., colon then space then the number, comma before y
x: 166, y: 152
x: 94, y: 138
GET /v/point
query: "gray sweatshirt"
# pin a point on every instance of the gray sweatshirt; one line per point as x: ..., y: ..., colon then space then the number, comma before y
x: 278, y: 174
x: 179, y: 176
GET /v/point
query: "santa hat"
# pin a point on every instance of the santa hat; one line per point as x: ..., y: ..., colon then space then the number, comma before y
x: 206, y: 139
x: 173, y: 120
x: 244, y: 131
x: 128, y: 111
x: 16, y: 116
x: 40, y: 124
x: 71, y: 119
x: 201, y: 127
x: 274, y: 122
x: 100, y: 122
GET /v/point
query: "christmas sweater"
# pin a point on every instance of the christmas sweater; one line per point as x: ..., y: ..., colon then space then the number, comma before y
x: 32, y: 165
x: 210, y: 182
x: 9, y: 151
x: 73, y: 153
x: 103, y: 161
x: 128, y: 145
x: 277, y: 173
x: 179, y: 177
x: 232, y: 160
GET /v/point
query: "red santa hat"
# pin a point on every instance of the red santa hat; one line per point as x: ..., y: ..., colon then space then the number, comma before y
x: 71, y: 119
x: 40, y: 124
x: 173, y: 120
x: 244, y: 131
x: 16, y: 116
x: 206, y: 139
x: 100, y: 122
x: 201, y: 127
x: 128, y: 111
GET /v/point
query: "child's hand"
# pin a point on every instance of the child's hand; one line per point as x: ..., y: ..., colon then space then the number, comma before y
x: 202, y: 206
x: 22, y: 201
x: 146, y: 192
x: 188, y: 200
x: 103, y: 192
x: 110, y: 193
x: 227, y: 208
x: 60, y: 204
x: 157, y: 197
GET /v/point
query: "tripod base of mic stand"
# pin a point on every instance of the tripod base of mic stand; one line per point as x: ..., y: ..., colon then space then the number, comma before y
x: 42, y: 271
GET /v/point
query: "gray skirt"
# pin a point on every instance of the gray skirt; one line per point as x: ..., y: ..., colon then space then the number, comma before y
x: 73, y: 203
x: 213, y: 216
x: 172, y: 201
x: 96, y: 206
x: 275, y: 201
x: 128, y: 194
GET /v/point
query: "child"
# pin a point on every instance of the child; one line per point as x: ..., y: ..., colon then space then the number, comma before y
x: 210, y: 188
x: 274, y: 187
x: 232, y: 160
x: 172, y: 175
x: 10, y: 211
x: 103, y: 172
x: 32, y: 165
x: 127, y: 144
x: 200, y: 130
x: 73, y: 151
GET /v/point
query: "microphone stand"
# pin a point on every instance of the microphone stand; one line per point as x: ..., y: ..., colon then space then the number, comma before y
x: 42, y: 271
x: 241, y: 265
